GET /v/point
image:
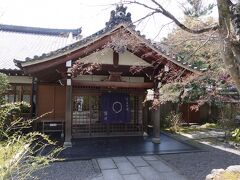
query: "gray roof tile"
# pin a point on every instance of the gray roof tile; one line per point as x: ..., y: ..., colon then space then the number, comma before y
x: 38, y: 30
x: 29, y: 43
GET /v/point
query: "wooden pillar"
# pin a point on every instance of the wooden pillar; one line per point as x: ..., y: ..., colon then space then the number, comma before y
x: 156, y: 115
x: 145, y: 118
x: 33, y: 101
x: 68, y: 113
x: 156, y: 125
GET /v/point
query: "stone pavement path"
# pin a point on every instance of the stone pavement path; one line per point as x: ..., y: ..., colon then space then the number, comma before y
x: 136, y: 168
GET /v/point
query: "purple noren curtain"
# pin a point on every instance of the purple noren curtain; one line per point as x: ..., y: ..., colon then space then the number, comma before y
x: 115, y: 108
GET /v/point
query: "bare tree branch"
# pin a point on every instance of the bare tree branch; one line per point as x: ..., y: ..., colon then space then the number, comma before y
x: 148, y: 15
x: 161, y: 29
x: 163, y: 11
x: 200, y: 46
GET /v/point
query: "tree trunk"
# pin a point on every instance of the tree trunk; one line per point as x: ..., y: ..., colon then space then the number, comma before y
x: 229, y: 53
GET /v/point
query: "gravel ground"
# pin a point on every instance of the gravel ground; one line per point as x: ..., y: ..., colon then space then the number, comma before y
x: 196, y: 166
x: 69, y: 170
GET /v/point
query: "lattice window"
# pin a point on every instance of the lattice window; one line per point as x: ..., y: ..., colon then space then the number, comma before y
x: 87, y: 121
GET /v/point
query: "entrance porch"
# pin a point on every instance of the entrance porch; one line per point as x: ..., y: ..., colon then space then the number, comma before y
x: 88, y: 148
x: 70, y: 82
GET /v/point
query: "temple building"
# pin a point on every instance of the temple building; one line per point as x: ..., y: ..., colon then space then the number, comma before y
x: 89, y: 87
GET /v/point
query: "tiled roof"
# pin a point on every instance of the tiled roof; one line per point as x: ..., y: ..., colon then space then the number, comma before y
x: 19, y: 42
x: 119, y: 18
x: 38, y: 30
x: 34, y: 46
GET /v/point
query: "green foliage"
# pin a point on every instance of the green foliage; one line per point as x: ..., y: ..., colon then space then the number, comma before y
x: 11, y: 113
x: 194, y: 91
x: 201, y: 53
x: 197, y: 60
x: 4, y: 85
x: 20, y: 153
x: 165, y: 123
x: 170, y: 92
x: 236, y: 135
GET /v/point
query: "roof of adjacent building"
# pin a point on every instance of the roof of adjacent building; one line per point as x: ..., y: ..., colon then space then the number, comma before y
x: 19, y: 42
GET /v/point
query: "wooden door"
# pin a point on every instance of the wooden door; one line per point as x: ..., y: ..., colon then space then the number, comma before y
x: 45, y: 101
x: 51, y: 99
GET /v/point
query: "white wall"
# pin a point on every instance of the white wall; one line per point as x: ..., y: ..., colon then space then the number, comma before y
x: 105, y: 56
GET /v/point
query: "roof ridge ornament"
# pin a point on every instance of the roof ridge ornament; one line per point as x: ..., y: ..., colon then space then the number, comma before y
x: 118, y: 16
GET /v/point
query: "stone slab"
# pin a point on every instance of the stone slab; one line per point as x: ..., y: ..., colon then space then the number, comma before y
x: 160, y: 166
x: 106, y: 163
x: 148, y: 173
x: 120, y: 159
x: 111, y: 174
x: 150, y: 158
x: 126, y: 168
x: 98, y: 178
x: 137, y: 161
x: 132, y: 177
x: 171, y: 176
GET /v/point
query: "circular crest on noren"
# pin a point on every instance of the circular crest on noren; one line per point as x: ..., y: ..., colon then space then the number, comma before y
x: 117, y: 107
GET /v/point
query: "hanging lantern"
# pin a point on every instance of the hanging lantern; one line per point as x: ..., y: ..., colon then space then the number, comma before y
x: 150, y: 95
x: 166, y: 68
x: 69, y: 64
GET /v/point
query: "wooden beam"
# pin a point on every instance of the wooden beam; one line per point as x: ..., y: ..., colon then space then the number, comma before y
x: 108, y: 84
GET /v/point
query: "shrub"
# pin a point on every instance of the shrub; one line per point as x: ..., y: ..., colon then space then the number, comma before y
x: 227, y: 116
x: 165, y: 123
x: 11, y: 113
x: 4, y: 85
x: 22, y: 153
x: 236, y: 135
x: 174, y: 120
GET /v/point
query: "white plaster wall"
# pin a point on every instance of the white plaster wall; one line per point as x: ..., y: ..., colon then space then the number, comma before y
x: 105, y: 56
x: 130, y: 59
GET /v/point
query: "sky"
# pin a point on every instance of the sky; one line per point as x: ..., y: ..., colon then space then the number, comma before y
x: 91, y: 15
